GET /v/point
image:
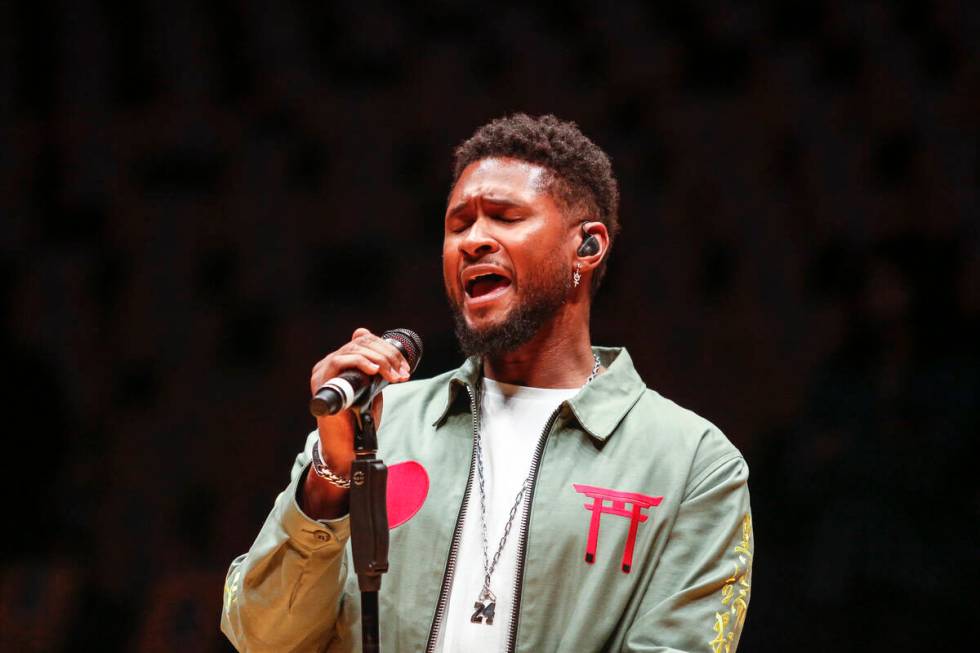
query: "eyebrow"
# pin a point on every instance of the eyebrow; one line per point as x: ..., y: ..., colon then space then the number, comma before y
x: 496, y: 201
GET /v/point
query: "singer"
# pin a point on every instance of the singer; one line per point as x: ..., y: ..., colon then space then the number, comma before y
x: 569, y: 508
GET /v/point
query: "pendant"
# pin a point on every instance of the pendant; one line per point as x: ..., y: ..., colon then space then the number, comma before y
x: 484, y: 607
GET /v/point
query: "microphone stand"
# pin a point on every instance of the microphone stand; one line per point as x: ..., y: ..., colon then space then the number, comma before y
x: 369, y: 519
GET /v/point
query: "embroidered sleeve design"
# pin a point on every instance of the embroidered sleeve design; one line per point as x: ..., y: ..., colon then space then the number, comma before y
x: 231, y: 589
x: 734, y: 594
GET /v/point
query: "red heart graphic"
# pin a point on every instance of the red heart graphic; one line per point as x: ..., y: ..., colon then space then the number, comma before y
x: 408, y: 485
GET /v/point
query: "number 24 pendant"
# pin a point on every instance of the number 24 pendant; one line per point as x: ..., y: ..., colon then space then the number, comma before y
x: 484, y: 608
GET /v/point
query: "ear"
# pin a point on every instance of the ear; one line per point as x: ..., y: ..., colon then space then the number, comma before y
x: 592, y: 245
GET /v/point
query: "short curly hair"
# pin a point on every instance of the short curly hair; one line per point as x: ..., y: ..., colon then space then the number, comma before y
x: 582, y: 179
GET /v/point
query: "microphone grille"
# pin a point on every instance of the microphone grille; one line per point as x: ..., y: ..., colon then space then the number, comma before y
x: 411, y: 345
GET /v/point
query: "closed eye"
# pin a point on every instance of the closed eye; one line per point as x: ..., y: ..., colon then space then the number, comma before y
x: 460, y: 223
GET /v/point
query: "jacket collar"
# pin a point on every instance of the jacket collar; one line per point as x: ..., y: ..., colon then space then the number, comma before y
x: 598, y: 407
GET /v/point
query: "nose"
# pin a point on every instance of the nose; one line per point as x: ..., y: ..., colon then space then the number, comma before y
x: 478, y: 241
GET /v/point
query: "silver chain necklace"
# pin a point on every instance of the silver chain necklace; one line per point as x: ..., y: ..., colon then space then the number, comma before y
x: 486, y: 602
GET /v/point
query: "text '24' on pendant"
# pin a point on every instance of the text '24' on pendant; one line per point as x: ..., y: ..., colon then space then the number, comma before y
x: 484, y: 608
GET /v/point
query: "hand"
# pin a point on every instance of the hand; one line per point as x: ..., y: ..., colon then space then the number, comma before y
x: 372, y: 355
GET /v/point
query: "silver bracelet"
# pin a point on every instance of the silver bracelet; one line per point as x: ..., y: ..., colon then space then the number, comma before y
x: 320, y: 469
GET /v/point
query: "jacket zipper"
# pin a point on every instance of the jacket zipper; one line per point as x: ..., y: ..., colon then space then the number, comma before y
x: 447, y: 576
x: 525, y: 522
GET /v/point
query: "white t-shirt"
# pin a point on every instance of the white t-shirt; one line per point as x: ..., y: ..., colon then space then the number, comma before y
x: 513, y: 418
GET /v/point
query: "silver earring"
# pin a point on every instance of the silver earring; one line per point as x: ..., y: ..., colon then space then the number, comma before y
x: 577, y: 275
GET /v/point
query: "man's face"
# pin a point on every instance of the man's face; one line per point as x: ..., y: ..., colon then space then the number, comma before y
x: 506, y: 255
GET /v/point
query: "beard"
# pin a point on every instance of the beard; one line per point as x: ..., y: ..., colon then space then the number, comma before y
x: 542, y: 299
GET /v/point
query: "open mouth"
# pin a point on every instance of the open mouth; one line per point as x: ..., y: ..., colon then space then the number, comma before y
x: 486, y: 284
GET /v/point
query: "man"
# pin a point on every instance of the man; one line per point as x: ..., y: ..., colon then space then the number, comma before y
x: 570, y: 507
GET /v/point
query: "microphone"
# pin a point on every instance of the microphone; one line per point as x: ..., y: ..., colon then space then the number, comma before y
x: 342, y: 391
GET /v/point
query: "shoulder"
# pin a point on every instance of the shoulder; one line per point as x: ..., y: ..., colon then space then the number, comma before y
x: 658, y: 420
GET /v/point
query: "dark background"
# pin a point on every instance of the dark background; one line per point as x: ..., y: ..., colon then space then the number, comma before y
x: 201, y: 200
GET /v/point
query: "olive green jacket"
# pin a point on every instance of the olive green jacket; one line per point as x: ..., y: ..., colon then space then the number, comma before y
x: 686, y: 587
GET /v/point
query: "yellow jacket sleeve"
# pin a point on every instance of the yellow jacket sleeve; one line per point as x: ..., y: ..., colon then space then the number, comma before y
x: 286, y: 593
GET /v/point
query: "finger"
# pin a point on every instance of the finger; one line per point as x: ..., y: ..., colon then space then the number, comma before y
x: 360, y: 331
x: 391, y: 369
x: 391, y: 353
x: 318, y: 375
x: 320, y: 364
x: 387, y: 359
x: 388, y: 350
x: 327, y: 366
x: 325, y: 362
x: 345, y: 362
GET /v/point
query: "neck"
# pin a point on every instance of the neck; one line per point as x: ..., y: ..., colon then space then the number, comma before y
x: 558, y: 356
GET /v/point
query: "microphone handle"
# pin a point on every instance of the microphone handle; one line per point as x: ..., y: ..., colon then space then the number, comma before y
x: 326, y: 401
x: 339, y: 392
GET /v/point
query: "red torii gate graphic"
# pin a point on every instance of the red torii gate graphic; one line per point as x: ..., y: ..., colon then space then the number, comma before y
x: 619, y: 500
